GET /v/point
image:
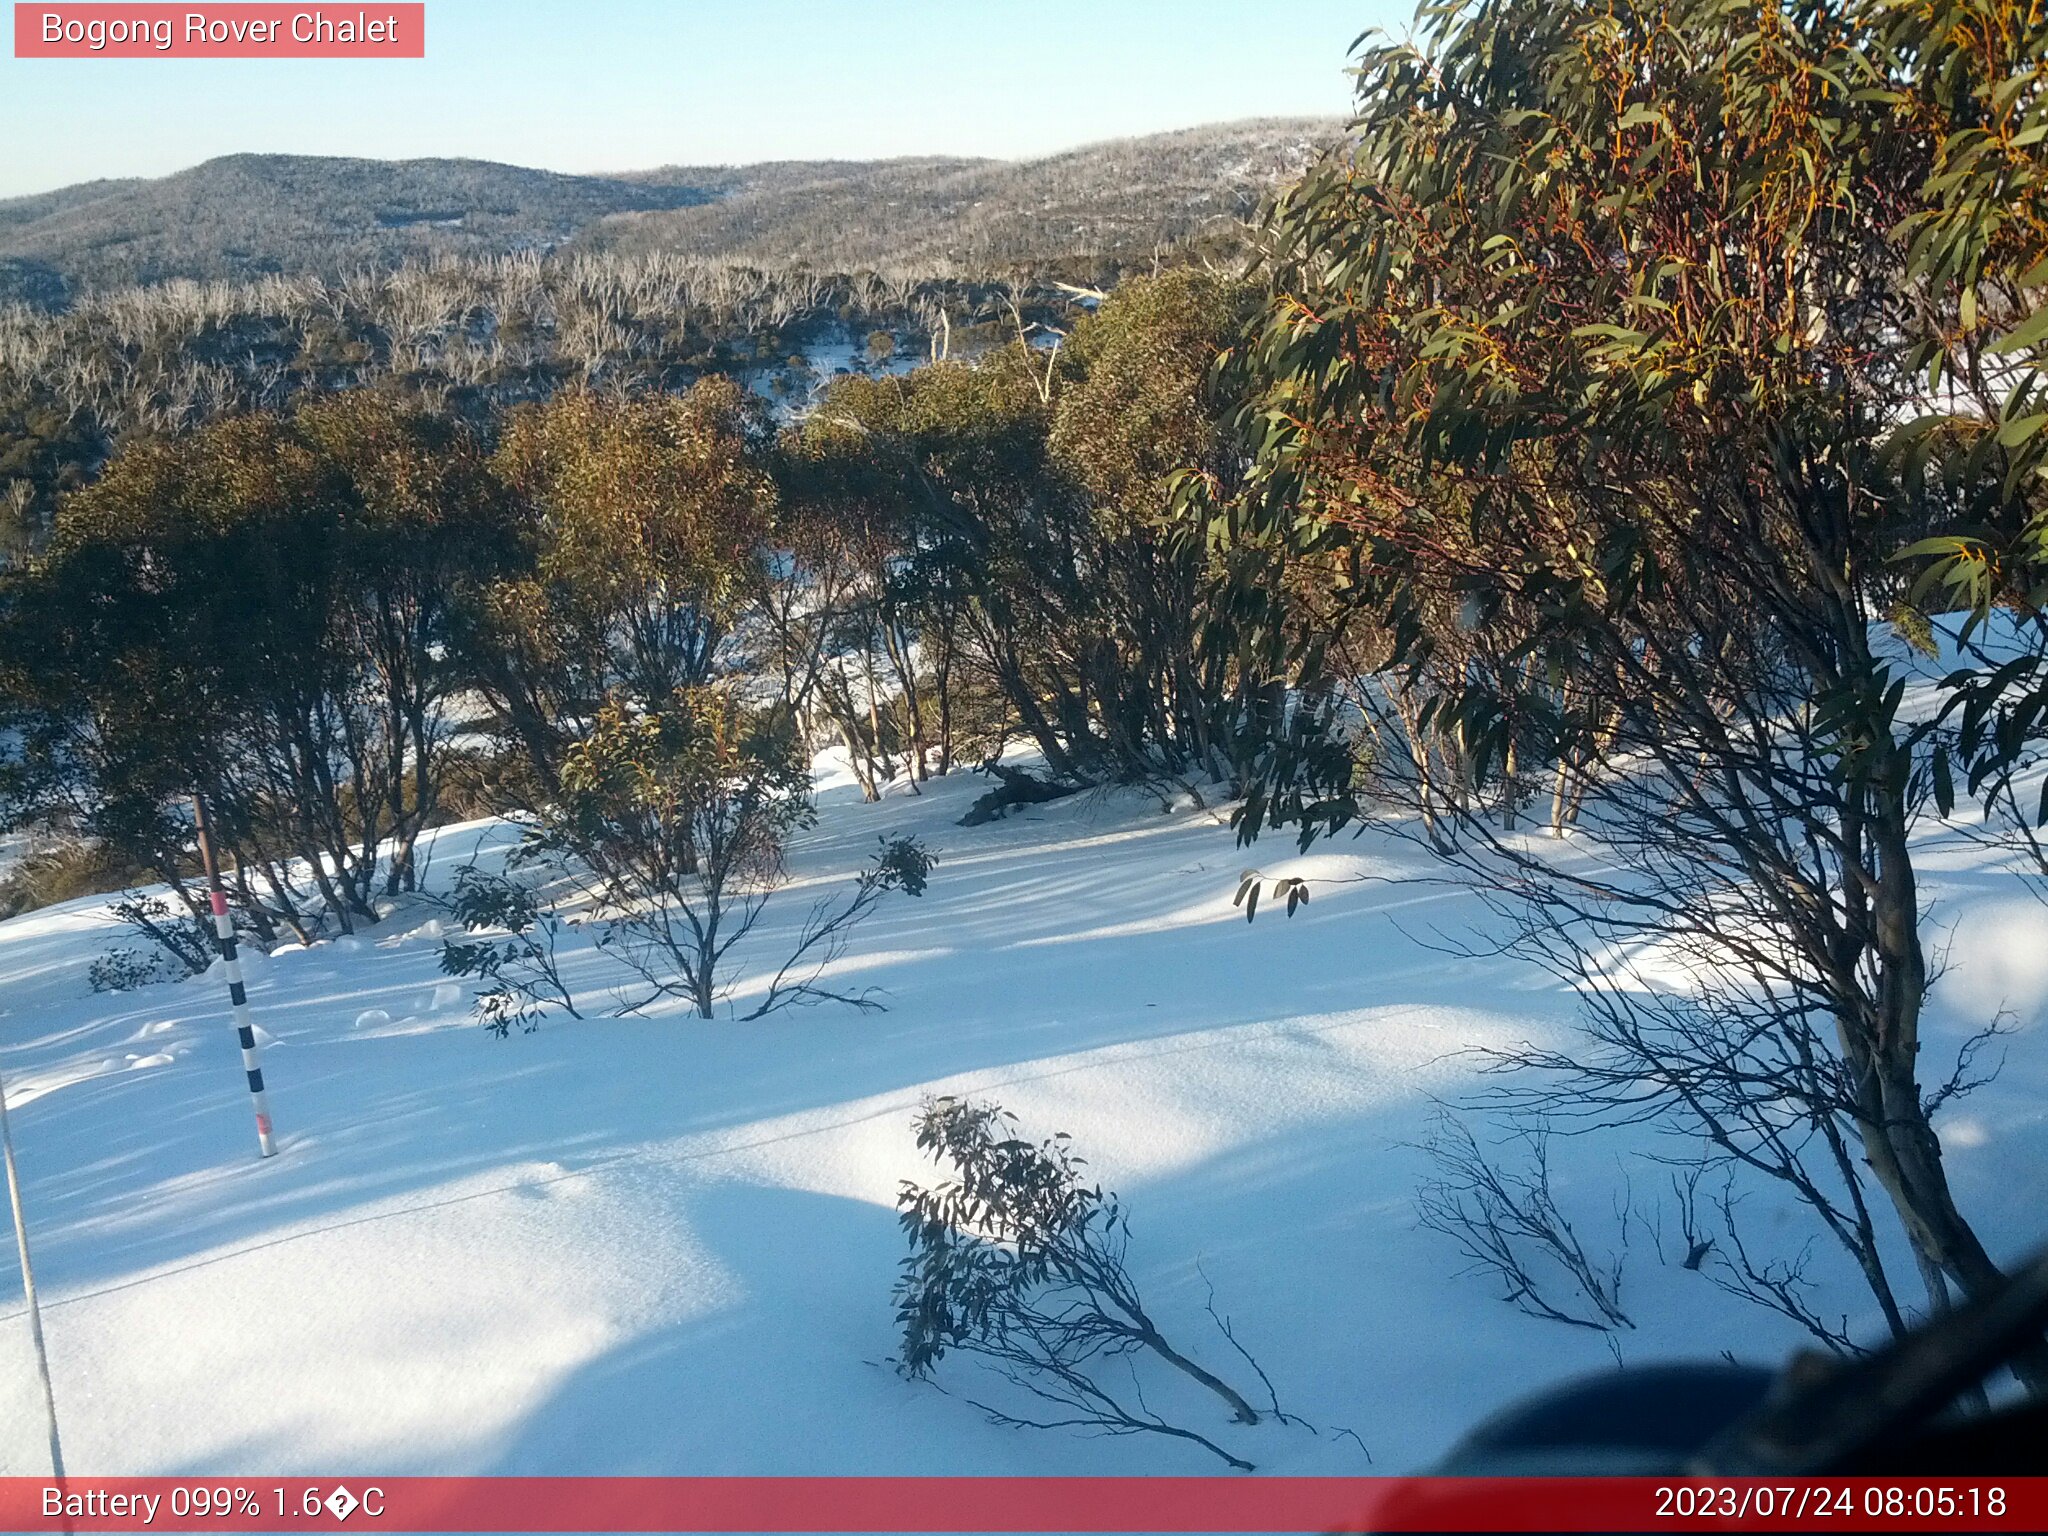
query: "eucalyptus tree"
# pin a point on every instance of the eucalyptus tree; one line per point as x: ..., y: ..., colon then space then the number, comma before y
x: 644, y: 526
x: 1016, y: 516
x: 259, y: 610
x: 1587, y: 421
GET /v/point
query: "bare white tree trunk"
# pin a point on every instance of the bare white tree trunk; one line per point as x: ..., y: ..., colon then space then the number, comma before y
x: 28, y: 1286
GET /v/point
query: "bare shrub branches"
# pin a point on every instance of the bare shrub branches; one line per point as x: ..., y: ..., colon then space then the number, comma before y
x: 901, y: 864
x: 1508, y: 1223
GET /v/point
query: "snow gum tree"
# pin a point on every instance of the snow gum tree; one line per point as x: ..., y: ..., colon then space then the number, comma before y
x: 1604, y: 379
x: 646, y: 523
x: 1137, y: 412
x: 1016, y: 518
x: 675, y: 822
x: 260, y: 610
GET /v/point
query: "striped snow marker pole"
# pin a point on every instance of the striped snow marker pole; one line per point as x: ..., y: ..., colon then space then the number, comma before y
x: 238, y: 995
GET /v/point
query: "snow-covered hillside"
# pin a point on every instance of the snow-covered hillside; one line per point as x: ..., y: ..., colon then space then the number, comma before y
x: 666, y: 1246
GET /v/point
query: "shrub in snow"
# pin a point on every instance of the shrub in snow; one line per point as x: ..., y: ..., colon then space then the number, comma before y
x: 680, y: 816
x: 521, y: 968
x: 1019, y: 1262
x: 177, y: 946
x: 900, y: 864
x: 673, y: 821
x: 124, y: 969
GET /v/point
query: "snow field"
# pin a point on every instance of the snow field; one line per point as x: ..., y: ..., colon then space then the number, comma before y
x: 665, y: 1246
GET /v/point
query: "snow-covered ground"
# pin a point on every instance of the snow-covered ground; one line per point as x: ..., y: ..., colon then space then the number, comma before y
x: 666, y: 1246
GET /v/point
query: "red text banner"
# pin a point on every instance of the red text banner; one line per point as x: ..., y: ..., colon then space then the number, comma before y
x: 1122, y: 1504
x: 234, y: 31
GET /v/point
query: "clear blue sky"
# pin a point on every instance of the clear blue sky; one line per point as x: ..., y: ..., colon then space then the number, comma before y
x: 592, y: 85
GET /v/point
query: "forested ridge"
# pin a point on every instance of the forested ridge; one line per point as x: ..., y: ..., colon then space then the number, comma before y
x: 243, y: 216
x: 1619, y: 469
x: 247, y: 216
x: 1083, y: 214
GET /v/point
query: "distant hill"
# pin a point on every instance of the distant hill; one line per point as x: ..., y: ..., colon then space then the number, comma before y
x: 721, y: 181
x: 245, y: 215
x: 31, y: 282
x: 248, y: 214
x: 1115, y: 199
x: 21, y: 212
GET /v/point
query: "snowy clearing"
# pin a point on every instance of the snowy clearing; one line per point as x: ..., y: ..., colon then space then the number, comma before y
x: 666, y: 1246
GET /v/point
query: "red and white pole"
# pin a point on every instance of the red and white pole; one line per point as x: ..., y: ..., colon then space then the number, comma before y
x: 238, y: 995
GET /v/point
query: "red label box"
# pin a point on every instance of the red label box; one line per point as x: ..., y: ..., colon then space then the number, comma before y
x: 388, y: 1506
x: 239, y: 31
